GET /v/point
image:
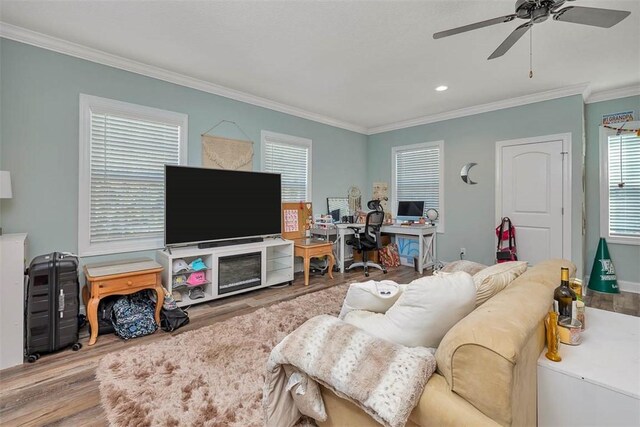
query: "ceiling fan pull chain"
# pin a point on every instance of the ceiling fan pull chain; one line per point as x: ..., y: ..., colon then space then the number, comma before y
x: 531, y: 50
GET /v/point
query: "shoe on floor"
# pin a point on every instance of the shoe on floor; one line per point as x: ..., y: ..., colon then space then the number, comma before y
x: 169, y: 303
x: 196, y: 292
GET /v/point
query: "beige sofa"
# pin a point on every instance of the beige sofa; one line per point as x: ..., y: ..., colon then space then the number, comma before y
x: 486, y: 372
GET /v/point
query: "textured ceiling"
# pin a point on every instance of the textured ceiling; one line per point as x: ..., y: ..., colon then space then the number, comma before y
x: 367, y: 63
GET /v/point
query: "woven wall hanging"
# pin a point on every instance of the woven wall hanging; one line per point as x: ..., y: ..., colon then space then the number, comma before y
x: 226, y: 153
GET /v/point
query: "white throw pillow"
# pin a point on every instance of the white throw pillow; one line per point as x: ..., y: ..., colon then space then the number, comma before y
x: 372, y: 296
x: 424, y: 313
x: 495, y: 278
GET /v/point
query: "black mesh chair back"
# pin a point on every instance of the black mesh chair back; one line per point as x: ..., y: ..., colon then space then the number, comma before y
x: 372, y: 226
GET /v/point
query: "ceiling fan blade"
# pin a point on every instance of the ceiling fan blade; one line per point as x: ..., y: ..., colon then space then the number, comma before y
x: 511, y: 40
x: 605, y: 18
x: 482, y: 24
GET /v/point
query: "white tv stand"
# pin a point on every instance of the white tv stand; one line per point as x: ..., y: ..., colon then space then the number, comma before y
x: 276, y: 266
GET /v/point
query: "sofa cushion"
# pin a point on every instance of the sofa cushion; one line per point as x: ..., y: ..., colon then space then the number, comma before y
x: 423, y: 314
x: 493, y: 279
x: 463, y: 265
x: 373, y: 296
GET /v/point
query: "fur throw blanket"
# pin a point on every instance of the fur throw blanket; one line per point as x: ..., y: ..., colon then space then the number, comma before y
x: 385, y: 379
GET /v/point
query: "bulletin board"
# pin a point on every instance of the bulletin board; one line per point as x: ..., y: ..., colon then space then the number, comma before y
x: 297, y: 218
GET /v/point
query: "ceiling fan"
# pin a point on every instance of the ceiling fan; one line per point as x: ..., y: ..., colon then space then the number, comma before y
x: 536, y: 11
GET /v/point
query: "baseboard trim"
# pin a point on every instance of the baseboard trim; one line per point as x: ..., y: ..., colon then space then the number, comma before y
x: 624, y: 285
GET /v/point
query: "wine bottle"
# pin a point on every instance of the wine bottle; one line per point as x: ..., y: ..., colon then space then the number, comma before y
x: 564, y: 295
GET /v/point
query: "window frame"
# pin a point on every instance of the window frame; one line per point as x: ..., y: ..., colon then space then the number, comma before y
x: 87, y: 105
x: 295, y: 141
x: 394, y: 184
x: 604, y: 188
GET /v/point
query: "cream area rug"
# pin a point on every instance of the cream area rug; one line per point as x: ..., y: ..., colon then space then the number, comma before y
x: 212, y: 376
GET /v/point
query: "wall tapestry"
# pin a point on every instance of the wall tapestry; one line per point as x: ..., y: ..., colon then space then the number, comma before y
x: 225, y: 153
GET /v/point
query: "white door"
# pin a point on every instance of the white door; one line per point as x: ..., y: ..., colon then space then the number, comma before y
x: 531, y: 194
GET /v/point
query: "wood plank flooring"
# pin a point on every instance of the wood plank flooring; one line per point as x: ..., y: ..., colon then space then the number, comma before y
x: 60, y: 389
x: 624, y: 302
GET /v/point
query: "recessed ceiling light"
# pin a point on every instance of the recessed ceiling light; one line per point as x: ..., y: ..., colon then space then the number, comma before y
x: 442, y: 88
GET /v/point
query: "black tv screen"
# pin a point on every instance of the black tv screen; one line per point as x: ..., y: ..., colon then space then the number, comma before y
x: 203, y: 205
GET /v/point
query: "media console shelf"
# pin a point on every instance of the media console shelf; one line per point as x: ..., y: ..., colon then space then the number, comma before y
x: 232, y: 269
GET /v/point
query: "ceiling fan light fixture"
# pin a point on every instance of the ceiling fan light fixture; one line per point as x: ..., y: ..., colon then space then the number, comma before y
x: 442, y: 88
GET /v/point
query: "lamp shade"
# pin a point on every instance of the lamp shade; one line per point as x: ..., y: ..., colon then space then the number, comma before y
x: 5, y: 185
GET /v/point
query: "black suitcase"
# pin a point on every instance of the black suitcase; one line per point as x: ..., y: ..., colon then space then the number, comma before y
x: 52, y: 305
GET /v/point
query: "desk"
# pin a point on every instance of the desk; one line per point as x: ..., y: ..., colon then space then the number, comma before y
x: 596, y: 383
x: 312, y: 248
x: 122, y: 278
x: 426, y: 241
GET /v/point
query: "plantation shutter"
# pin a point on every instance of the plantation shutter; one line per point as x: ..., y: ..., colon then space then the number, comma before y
x: 624, y: 202
x: 292, y: 162
x: 418, y: 176
x: 127, y: 176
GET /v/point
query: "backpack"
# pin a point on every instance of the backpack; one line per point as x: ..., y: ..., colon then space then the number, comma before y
x: 105, y: 310
x: 170, y: 320
x: 133, y: 316
x: 506, y: 232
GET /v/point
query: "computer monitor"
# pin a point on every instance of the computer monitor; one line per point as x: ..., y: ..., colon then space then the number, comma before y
x: 410, y: 210
x: 337, y: 207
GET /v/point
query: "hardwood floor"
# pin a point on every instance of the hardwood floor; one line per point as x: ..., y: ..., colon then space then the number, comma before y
x: 60, y: 389
x: 624, y: 302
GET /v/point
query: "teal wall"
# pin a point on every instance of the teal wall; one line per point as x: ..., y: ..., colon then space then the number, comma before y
x: 626, y: 258
x: 39, y: 92
x: 470, y: 209
x: 39, y: 133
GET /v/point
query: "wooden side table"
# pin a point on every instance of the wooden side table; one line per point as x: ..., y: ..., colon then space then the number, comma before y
x: 121, y: 278
x: 312, y: 248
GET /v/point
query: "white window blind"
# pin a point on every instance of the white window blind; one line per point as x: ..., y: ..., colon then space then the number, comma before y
x: 418, y: 176
x: 624, y: 201
x: 291, y: 158
x: 125, y: 149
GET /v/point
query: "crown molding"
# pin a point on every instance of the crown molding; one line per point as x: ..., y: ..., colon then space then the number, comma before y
x: 23, y: 35
x: 579, y: 89
x: 607, y: 95
x: 65, y: 47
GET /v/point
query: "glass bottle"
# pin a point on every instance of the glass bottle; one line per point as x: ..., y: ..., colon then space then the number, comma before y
x: 564, y: 295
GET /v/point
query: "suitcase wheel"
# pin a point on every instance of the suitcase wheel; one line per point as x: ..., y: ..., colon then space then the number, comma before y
x: 33, y: 357
x: 77, y: 346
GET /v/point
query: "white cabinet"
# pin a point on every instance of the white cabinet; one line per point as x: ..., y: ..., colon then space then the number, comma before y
x: 13, y: 254
x: 231, y: 269
x: 597, y: 383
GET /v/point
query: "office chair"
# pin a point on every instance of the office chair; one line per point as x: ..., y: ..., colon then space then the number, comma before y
x: 369, y: 239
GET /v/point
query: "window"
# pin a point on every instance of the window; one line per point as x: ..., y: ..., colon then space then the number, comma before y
x: 620, y: 185
x: 123, y: 150
x: 289, y: 156
x: 417, y: 174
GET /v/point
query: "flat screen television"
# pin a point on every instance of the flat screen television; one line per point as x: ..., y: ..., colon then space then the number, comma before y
x: 205, y: 205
